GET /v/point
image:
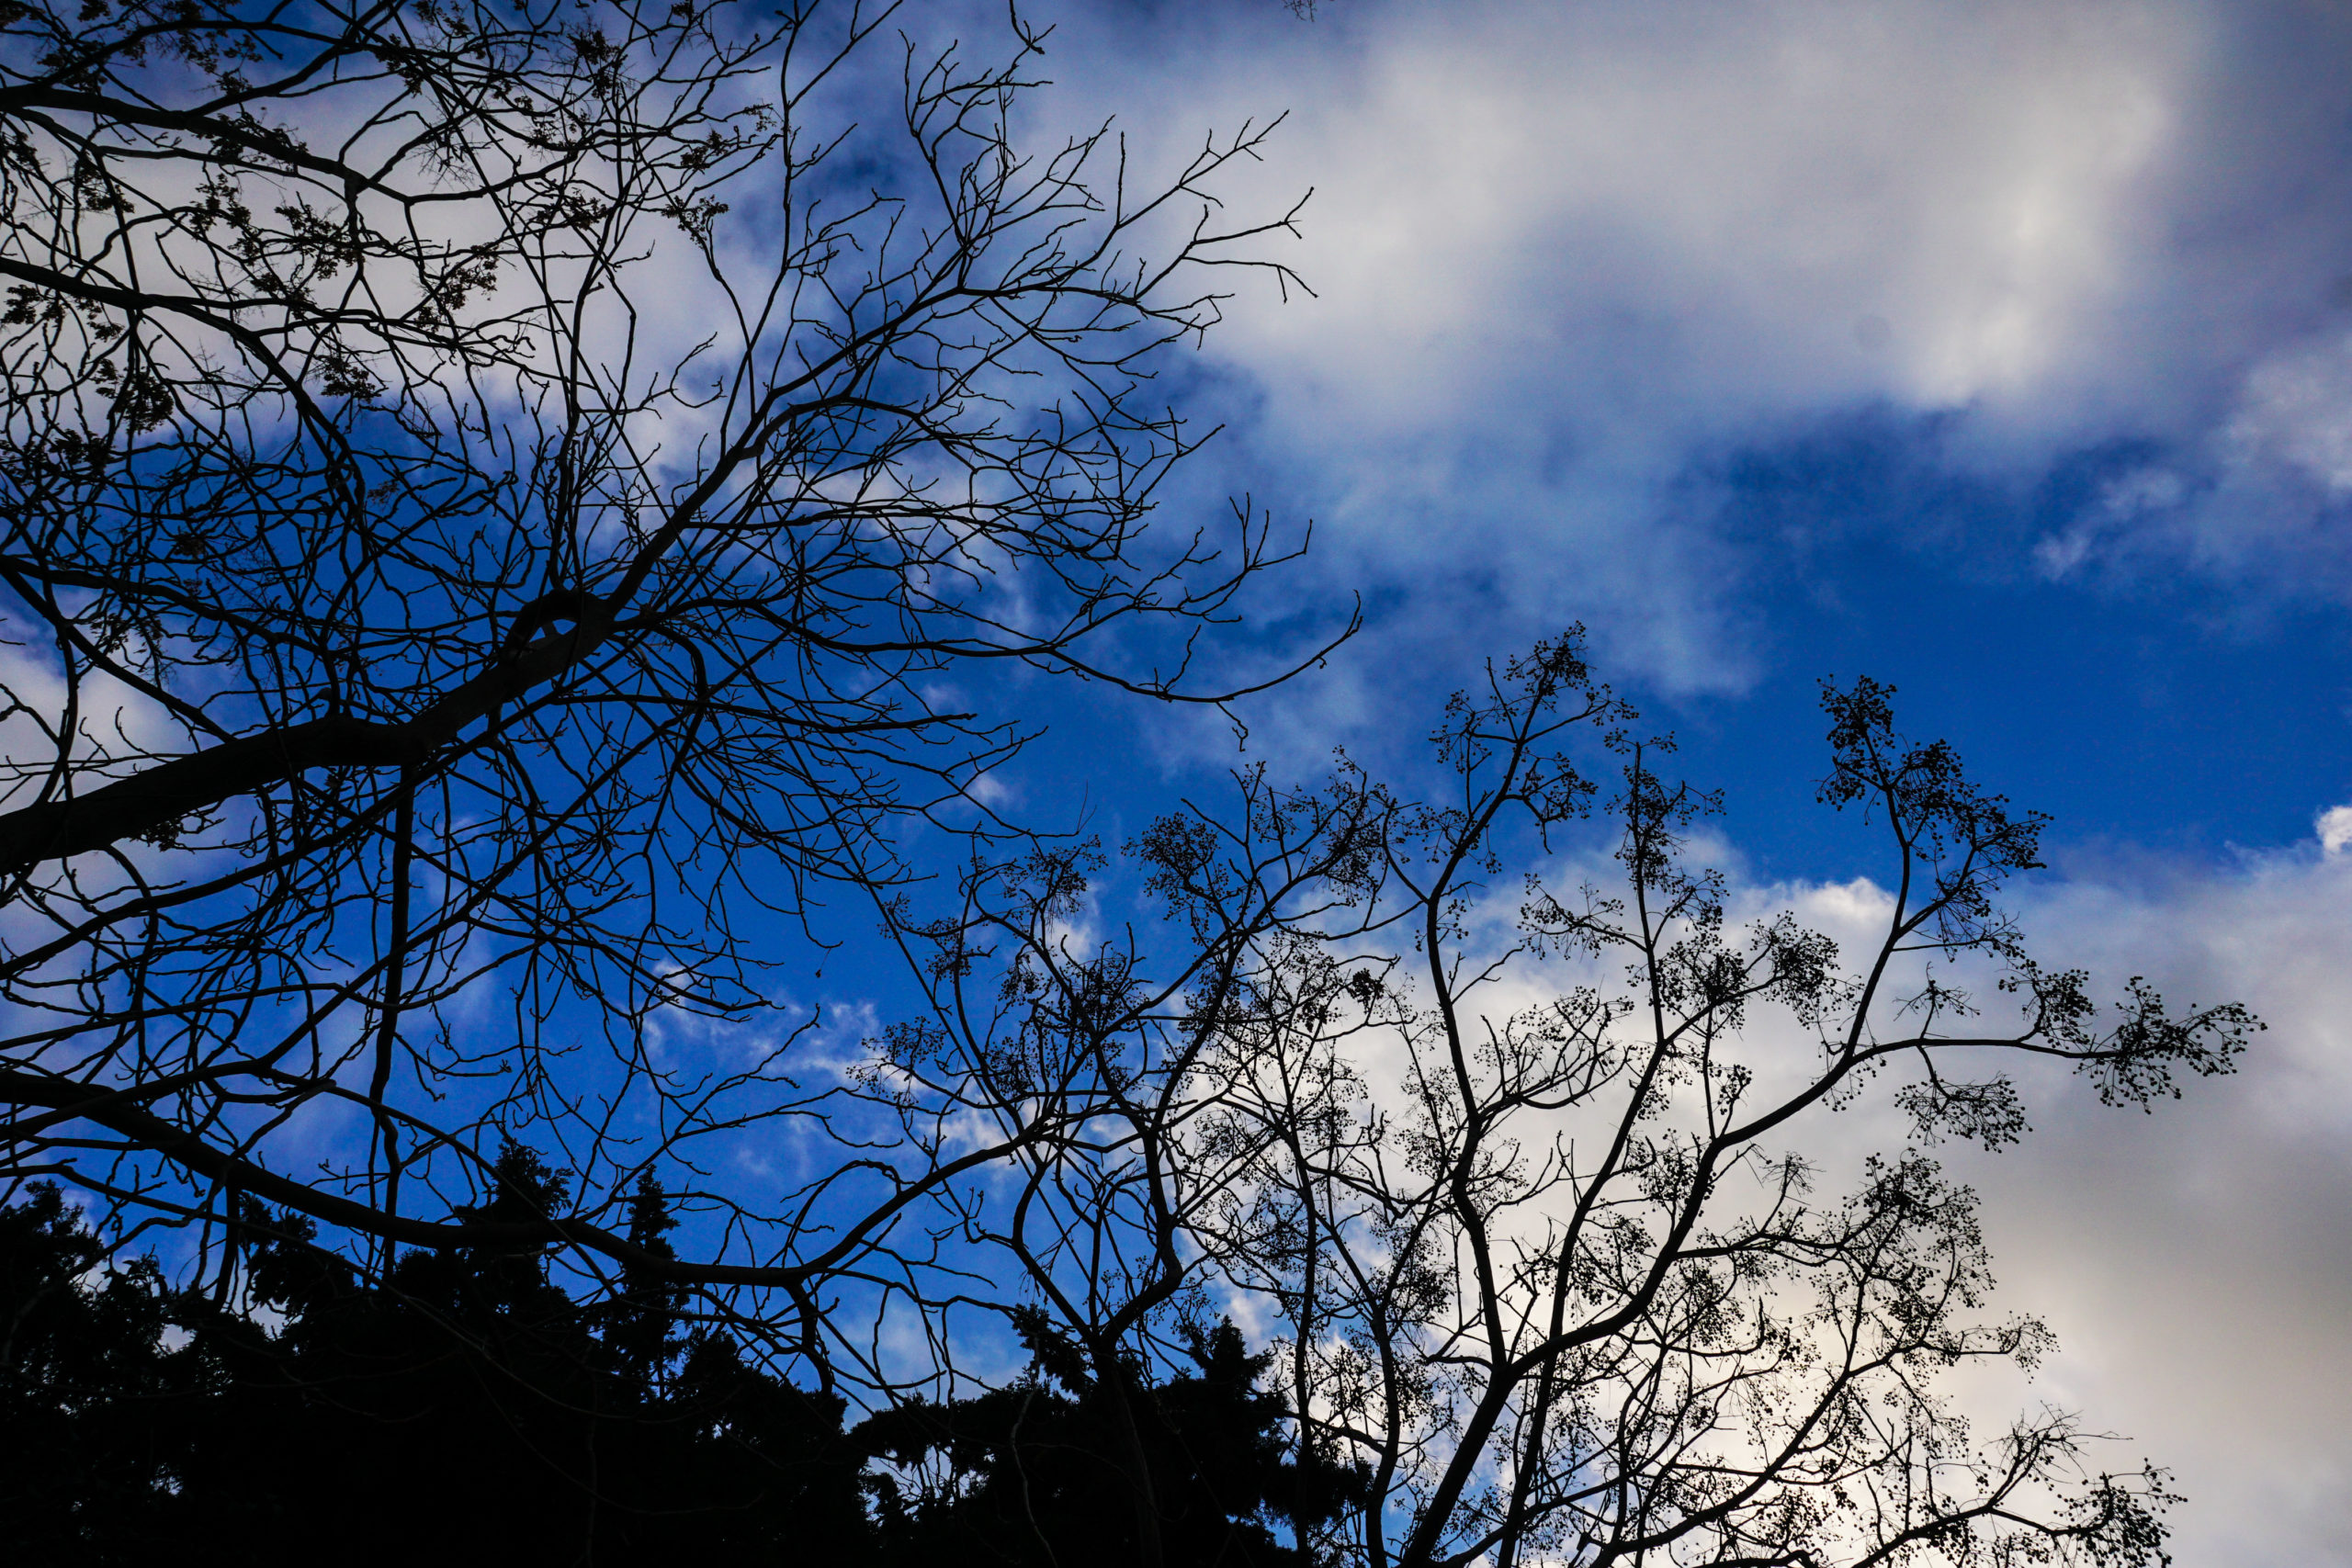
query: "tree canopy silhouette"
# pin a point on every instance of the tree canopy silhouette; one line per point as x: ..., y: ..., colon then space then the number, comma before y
x: 501, y: 505
x: 464, y: 1409
x: 513, y: 517
x: 1543, y: 1287
x: 1509, y: 1131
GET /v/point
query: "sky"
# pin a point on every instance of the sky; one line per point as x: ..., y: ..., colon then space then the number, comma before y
x: 2001, y: 351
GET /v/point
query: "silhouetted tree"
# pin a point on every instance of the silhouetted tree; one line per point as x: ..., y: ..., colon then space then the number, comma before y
x: 1031, y: 1473
x: 501, y: 505
x: 464, y: 1410
x: 90, y: 1401
x: 1521, y: 1171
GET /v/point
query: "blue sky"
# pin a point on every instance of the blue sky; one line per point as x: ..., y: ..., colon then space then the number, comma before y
x: 1999, y: 350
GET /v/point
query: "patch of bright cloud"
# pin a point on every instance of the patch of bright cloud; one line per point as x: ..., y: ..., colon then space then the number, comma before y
x: 2298, y: 411
x: 2334, y: 830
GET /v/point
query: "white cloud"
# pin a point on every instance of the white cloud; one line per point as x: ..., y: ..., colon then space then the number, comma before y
x: 1564, y: 253
x: 2335, y: 829
x: 1729, y: 191
x: 2298, y: 409
x: 2197, y: 1263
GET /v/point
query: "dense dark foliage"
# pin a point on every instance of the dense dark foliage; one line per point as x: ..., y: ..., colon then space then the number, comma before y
x: 466, y: 1409
x: 1031, y: 1473
x: 470, y: 1411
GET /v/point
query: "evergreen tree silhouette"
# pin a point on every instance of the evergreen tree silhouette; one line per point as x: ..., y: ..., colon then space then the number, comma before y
x: 468, y: 1410
x: 1031, y: 1473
